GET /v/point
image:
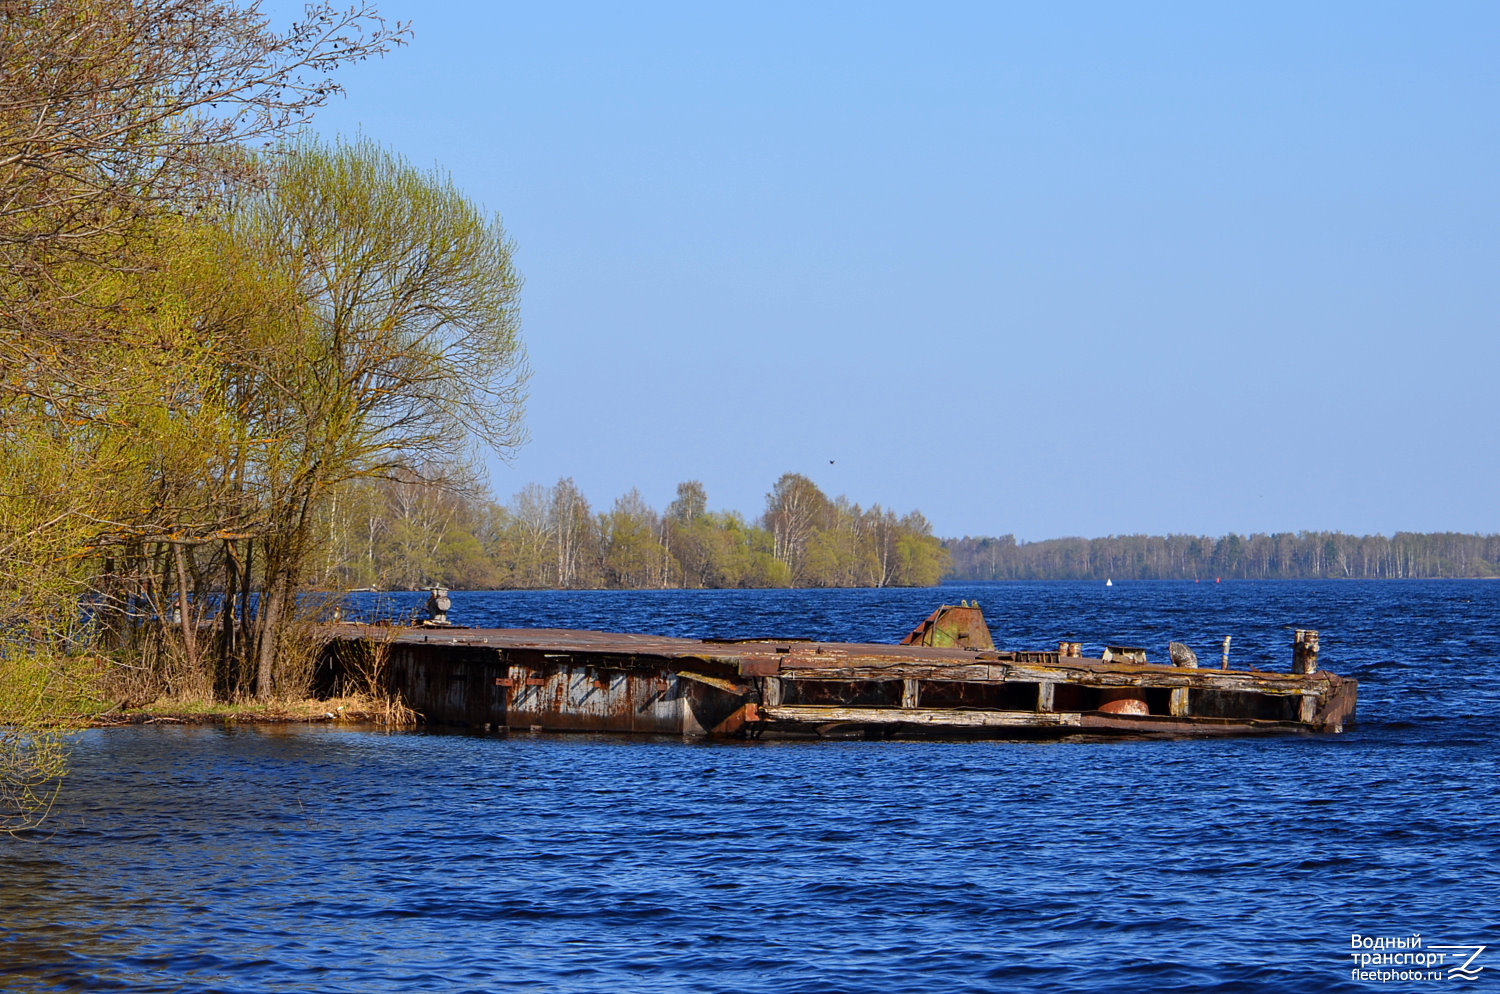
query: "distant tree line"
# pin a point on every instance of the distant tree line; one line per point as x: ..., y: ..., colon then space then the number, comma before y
x: 403, y: 532
x: 1283, y: 555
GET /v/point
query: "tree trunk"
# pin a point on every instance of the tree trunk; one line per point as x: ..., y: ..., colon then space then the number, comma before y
x: 247, y: 639
x: 274, y: 596
x: 185, y: 611
x: 223, y: 686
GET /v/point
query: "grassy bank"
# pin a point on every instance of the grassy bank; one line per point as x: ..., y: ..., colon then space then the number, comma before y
x: 356, y: 710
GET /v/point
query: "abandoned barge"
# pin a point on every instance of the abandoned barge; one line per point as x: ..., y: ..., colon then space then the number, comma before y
x: 945, y: 679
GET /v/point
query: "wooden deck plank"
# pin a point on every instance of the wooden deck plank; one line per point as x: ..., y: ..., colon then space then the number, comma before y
x: 814, y: 714
x: 848, y: 660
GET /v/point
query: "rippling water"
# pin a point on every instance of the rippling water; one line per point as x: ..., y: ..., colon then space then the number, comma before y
x: 318, y: 859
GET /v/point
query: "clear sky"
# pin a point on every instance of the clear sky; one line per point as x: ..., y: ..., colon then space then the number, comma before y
x: 1049, y: 269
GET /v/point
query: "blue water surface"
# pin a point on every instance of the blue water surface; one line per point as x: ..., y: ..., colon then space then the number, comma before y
x: 325, y: 859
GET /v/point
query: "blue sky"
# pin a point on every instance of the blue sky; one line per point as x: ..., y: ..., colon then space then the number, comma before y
x: 1048, y: 269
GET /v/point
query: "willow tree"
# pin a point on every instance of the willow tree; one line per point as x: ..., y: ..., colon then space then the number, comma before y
x: 113, y: 110
x: 119, y: 119
x: 114, y: 113
x: 399, y: 348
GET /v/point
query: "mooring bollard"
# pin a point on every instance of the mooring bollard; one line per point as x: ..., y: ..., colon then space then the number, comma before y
x: 1305, y: 651
x: 438, y: 606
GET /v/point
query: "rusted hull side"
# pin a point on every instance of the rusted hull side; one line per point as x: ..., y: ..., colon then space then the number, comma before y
x: 579, y: 698
x: 448, y: 687
x: 448, y: 683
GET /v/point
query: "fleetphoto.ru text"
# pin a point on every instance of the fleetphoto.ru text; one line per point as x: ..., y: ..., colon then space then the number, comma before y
x: 1402, y: 959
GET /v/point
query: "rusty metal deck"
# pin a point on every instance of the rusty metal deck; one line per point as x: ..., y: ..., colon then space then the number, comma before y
x: 567, y: 679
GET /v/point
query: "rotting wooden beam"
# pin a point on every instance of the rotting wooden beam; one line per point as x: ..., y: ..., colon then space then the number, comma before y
x: 1116, y: 724
x: 819, y: 714
x: 719, y: 683
x: 1338, y: 706
x: 1166, y: 677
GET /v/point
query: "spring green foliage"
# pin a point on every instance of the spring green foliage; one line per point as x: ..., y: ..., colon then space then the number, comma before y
x: 349, y: 318
x: 200, y: 342
x: 41, y: 694
x: 398, y: 533
x: 397, y: 344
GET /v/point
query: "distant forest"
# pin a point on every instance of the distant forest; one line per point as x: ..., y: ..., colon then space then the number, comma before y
x: 1284, y: 555
x: 404, y: 533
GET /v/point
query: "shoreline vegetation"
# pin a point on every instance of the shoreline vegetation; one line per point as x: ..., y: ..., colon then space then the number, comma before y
x: 361, y: 710
x: 212, y: 323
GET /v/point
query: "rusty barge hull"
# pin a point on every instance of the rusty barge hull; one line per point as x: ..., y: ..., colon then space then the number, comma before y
x: 567, y: 680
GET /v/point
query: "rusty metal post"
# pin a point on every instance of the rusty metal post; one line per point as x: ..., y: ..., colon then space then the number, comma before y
x: 1305, y: 652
